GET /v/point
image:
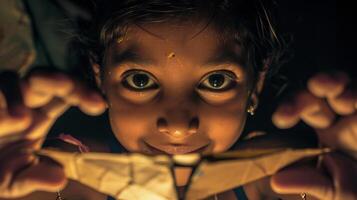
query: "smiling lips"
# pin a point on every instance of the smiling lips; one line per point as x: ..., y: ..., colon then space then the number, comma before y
x: 175, y: 149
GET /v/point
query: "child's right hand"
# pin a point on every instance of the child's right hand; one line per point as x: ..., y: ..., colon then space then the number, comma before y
x: 28, y: 108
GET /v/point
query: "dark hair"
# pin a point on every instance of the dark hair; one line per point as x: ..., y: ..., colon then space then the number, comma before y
x: 248, y: 21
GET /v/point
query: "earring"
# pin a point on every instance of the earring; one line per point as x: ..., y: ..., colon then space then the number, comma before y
x: 251, y: 110
x: 303, y: 196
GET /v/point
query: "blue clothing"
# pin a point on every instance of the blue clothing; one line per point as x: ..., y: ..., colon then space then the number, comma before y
x: 240, y: 194
x: 116, y: 147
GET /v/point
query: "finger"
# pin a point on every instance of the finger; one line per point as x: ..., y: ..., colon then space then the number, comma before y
x: 14, y: 156
x: 328, y: 85
x: 285, y: 116
x: 14, y: 115
x: 44, y: 118
x: 70, y: 90
x: 50, y: 83
x: 319, y: 116
x: 308, y: 180
x: 10, y: 125
x: 344, y: 104
x: 13, y: 147
x: 343, y: 171
x: 34, y: 99
x: 34, y: 179
x: 39, y: 128
x: 11, y: 91
x: 11, y: 164
x: 55, y: 108
x: 91, y: 102
x: 343, y: 135
x: 312, y: 110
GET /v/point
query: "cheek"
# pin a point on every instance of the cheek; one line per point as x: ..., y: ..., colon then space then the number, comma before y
x: 130, y: 123
x: 224, y: 123
x: 224, y: 126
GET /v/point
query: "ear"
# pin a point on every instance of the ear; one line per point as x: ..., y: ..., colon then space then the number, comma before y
x: 259, y: 85
x: 98, y: 80
x: 97, y: 75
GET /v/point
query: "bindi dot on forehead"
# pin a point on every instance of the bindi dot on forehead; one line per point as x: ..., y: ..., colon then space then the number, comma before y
x: 171, y: 55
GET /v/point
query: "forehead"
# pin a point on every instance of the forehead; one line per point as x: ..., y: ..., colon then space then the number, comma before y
x: 195, y: 41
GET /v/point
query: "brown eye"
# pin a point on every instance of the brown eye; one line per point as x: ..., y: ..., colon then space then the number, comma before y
x: 139, y: 80
x: 218, y: 81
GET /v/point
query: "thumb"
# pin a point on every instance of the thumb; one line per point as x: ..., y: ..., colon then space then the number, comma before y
x: 303, y: 179
x: 43, y: 176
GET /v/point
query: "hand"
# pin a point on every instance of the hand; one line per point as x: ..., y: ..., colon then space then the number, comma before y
x: 327, y: 97
x: 28, y: 108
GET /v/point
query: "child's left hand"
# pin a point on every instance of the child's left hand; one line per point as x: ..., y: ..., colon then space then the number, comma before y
x: 329, y: 106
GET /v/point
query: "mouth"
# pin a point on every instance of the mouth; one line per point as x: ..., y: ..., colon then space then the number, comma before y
x: 174, y: 149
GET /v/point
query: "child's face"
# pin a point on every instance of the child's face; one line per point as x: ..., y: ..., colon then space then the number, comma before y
x: 192, y: 91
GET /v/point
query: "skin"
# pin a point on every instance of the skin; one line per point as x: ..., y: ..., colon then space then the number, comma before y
x: 33, y: 104
x: 326, y: 97
x: 28, y: 109
x: 177, y: 113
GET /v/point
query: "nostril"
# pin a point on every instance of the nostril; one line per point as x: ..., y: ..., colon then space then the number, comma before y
x: 178, y: 128
x: 162, y: 125
x: 194, y: 124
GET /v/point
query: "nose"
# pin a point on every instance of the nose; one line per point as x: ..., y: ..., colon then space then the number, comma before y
x: 178, y: 124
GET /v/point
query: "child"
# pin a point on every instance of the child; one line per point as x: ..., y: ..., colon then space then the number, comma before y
x: 179, y: 77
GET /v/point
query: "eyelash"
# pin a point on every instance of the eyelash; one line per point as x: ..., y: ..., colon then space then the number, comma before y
x: 126, y: 83
x: 230, y: 76
x: 129, y: 84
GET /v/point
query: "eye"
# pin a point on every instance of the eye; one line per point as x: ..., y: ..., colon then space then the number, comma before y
x: 219, y: 81
x: 139, y: 81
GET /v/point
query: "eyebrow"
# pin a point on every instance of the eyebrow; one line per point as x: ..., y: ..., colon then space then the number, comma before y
x: 225, y: 55
x: 130, y: 55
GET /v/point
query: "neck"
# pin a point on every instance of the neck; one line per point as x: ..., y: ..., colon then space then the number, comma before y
x: 182, y: 176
